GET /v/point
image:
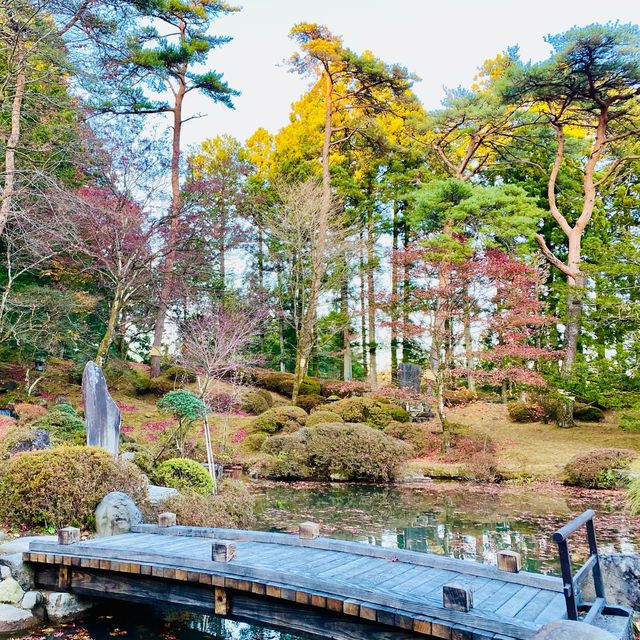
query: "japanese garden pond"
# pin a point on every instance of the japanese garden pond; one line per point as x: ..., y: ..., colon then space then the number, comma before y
x: 466, y: 521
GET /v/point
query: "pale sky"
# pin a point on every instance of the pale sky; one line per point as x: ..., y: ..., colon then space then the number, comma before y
x: 442, y: 41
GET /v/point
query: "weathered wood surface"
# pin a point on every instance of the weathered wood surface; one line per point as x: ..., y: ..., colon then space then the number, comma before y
x: 398, y: 590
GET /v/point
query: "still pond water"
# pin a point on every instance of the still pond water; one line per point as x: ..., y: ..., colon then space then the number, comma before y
x: 466, y: 521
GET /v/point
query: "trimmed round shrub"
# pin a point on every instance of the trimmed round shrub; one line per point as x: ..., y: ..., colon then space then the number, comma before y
x: 28, y: 412
x: 322, y: 415
x: 145, y: 385
x: 366, y: 409
x: 459, y: 397
x: 184, y: 474
x: 286, y: 418
x: 587, y: 413
x: 630, y: 421
x: 65, y: 407
x: 254, y: 441
x: 62, y: 486
x: 339, y: 451
x: 177, y: 373
x: 254, y: 403
x: 231, y: 508
x: 524, y: 412
x: 63, y: 427
x: 411, y: 433
x: 283, y: 383
x: 598, y: 468
x: 310, y: 401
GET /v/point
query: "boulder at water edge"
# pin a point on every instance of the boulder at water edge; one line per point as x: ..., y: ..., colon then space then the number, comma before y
x: 621, y: 575
x: 65, y: 606
x: 10, y: 591
x: 13, y: 619
x: 116, y: 514
x: 101, y: 413
x: 570, y: 630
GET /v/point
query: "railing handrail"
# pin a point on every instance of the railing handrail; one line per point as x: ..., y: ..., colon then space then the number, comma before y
x: 573, y: 526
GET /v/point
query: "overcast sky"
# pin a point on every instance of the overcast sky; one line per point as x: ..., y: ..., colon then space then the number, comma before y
x: 442, y: 41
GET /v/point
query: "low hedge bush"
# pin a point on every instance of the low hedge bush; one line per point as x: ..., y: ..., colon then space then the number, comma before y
x: 63, y: 427
x: 28, y: 412
x: 598, y: 468
x: 524, y: 412
x: 62, y: 486
x: 286, y: 418
x: 310, y: 401
x: 176, y: 373
x: 587, y: 413
x: 630, y: 421
x: 254, y: 403
x: 231, y: 508
x: 145, y: 385
x: 253, y: 442
x: 459, y: 397
x: 337, y: 451
x: 412, y: 433
x: 369, y: 410
x: 322, y: 415
x: 185, y: 475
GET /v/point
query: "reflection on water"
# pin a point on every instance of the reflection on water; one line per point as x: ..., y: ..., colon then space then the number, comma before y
x: 466, y: 521
x: 471, y: 522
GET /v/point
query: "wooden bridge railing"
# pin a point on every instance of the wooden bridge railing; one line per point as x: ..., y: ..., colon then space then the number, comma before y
x: 572, y: 582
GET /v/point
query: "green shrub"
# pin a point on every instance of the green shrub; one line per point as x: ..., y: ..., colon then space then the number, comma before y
x: 286, y: 418
x: 412, y: 433
x: 283, y: 383
x: 344, y: 451
x: 253, y: 442
x: 254, y: 403
x: 62, y: 486
x: 184, y: 474
x: 310, y: 401
x: 598, y: 468
x: 630, y: 421
x: 231, y: 508
x: 366, y: 409
x: 63, y: 427
x: 524, y: 412
x: 145, y: 385
x: 177, y: 373
x: 587, y: 413
x: 65, y: 407
x: 323, y: 415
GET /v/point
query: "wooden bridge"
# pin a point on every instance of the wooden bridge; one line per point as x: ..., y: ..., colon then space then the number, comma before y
x: 325, y: 588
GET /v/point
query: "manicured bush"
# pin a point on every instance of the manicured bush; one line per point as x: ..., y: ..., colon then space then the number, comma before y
x: 587, y: 413
x: 184, y: 475
x: 344, y: 389
x: 254, y: 441
x: 630, y: 421
x: 287, y: 418
x: 254, y: 403
x: 482, y: 467
x: 231, y: 508
x: 524, y: 412
x: 62, y: 486
x: 283, y: 383
x: 373, y: 412
x: 177, y: 373
x: 310, y: 401
x: 63, y: 427
x: 322, y: 415
x: 65, y: 407
x: 598, y: 468
x: 339, y: 451
x: 17, y: 438
x: 412, y: 433
x: 145, y: 385
x: 28, y: 412
x: 459, y: 397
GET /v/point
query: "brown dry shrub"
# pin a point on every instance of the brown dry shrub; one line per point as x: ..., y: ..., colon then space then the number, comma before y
x: 28, y: 412
x: 415, y: 434
x: 62, y: 486
x: 232, y: 508
x: 598, y: 468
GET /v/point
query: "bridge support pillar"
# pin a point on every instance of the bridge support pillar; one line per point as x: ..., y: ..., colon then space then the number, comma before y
x: 221, y: 602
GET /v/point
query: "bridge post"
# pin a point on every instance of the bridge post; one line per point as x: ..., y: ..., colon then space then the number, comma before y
x: 509, y: 561
x: 309, y: 530
x: 167, y: 519
x: 68, y: 535
x: 221, y: 602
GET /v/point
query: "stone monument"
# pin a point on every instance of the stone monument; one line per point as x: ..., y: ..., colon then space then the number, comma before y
x: 409, y: 377
x: 101, y: 413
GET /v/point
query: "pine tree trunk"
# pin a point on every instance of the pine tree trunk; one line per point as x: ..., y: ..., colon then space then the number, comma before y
x: 468, y: 347
x: 169, y: 263
x: 395, y: 232
x: 13, y: 140
x: 406, y: 296
x: 363, y: 308
x: 347, y: 364
x: 574, y: 305
x: 371, y: 302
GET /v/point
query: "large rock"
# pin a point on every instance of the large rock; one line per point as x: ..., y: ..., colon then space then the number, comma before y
x: 115, y: 514
x: 31, y: 600
x: 13, y: 619
x: 158, y: 494
x: 11, y: 558
x: 10, y: 591
x: 621, y: 575
x: 36, y: 441
x: 570, y: 630
x: 65, y: 606
x: 101, y: 413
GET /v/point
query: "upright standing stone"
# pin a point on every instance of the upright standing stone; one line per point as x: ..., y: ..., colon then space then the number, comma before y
x: 409, y: 377
x: 100, y: 411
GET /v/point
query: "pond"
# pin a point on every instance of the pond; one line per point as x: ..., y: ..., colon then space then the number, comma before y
x: 466, y: 521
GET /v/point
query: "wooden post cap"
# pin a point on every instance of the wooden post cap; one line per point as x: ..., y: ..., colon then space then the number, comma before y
x: 167, y: 519
x: 223, y: 551
x: 309, y: 530
x: 509, y: 561
x: 68, y: 535
x: 457, y: 596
